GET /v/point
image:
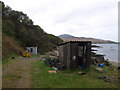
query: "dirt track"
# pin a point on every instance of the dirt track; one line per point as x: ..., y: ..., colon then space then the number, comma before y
x: 18, y: 74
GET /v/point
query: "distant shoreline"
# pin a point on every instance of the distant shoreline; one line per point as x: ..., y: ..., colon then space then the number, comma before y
x: 67, y: 37
x: 115, y: 63
x: 106, y: 43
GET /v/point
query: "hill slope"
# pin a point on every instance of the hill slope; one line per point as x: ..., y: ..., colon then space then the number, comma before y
x: 19, y: 32
x: 10, y: 46
x: 66, y: 37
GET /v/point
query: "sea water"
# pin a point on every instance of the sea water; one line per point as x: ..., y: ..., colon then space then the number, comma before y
x: 109, y: 50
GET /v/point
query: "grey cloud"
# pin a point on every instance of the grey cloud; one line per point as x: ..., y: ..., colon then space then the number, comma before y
x: 87, y: 12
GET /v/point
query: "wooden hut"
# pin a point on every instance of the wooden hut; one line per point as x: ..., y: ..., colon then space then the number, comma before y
x: 75, y: 53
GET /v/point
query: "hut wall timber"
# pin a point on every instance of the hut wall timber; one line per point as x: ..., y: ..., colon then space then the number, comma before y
x: 75, y: 53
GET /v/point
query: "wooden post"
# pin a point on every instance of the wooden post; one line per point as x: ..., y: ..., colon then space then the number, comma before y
x: 88, y: 54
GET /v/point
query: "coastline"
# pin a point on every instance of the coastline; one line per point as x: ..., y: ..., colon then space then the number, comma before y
x: 115, y: 63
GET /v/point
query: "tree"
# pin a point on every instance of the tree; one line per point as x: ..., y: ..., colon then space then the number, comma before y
x: 21, y: 18
x: 25, y: 19
x: 8, y: 27
x: 6, y: 10
x: 15, y: 16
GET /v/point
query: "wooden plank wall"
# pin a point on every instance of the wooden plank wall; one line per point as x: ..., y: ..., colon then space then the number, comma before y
x: 61, y: 54
x: 64, y: 55
x: 88, y: 55
x: 68, y: 54
x: 74, y: 53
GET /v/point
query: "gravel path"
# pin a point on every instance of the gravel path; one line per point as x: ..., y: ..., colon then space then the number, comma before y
x: 18, y: 73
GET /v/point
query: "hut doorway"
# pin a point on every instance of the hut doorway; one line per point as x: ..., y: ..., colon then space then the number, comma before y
x: 81, y: 59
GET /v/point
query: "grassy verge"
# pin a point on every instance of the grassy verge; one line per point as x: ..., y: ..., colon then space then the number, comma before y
x: 70, y: 79
x: 8, y: 59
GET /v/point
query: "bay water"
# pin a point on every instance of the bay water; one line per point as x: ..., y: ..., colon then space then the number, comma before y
x: 109, y: 50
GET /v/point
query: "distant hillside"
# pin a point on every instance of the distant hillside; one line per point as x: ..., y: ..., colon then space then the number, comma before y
x: 19, y: 32
x: 67, y: 37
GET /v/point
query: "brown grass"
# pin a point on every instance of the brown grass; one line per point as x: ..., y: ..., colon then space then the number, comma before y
x: 10, y: 45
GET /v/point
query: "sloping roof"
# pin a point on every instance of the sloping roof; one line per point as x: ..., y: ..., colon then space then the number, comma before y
x: 73, y: 42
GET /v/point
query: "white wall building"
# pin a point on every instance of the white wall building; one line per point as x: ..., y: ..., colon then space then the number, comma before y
x: 32, y: 50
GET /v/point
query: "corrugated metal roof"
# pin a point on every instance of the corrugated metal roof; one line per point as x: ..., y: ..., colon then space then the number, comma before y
x: 74, y: 42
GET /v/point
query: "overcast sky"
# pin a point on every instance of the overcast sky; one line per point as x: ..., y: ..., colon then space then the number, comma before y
x: 82, y: 18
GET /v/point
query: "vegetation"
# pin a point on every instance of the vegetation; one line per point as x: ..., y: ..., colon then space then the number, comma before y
x: 13, y: 76
x: 71, y: 79
x: 9, y: 58
x: 20, y: 32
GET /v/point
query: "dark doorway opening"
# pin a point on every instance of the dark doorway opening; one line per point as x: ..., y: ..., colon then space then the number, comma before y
x: 31, y: 49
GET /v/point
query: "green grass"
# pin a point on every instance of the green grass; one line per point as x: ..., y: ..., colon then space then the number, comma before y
x: 8, y: 59
x: 12, y: 76
x: 70, y: 79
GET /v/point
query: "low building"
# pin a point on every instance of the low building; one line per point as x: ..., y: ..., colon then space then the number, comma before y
x: 32, y: 50
x: 75, y: 53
